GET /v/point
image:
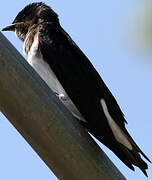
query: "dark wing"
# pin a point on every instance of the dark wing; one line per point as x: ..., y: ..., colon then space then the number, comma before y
x: 75, y: 72
x: 86, y: 88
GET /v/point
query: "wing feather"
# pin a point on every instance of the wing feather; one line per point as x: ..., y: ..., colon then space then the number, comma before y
x: 75, y: 72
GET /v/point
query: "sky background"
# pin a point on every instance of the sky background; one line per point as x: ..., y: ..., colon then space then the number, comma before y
x: 106, y: 33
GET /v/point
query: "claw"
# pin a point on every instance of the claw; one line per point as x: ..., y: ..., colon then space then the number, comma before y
x: 61, y: 96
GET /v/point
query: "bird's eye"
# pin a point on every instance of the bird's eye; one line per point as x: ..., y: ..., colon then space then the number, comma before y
x: 23, y: 16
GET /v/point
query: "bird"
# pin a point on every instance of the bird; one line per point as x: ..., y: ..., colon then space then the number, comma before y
x: 74, y: 80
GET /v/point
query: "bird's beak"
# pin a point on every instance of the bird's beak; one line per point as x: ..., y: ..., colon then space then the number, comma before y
x: 12, y: 27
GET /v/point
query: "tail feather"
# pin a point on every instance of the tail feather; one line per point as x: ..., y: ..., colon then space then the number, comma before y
x: 137, y: 160
x: 131, y: 157
x: 136, y: 146
x: 127, y: 156
x: 121, y: 143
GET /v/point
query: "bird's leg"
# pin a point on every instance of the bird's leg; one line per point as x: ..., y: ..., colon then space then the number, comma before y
x: 61, y: 96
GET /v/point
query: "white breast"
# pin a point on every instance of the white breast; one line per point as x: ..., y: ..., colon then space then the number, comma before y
x: 46, y: 73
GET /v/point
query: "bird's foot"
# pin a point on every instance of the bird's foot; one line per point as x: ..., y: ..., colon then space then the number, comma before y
x: 61, y: 96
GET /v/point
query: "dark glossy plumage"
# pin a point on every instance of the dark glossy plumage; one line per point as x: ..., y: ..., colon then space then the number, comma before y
x: 85, y: 87
x: 78, y: 77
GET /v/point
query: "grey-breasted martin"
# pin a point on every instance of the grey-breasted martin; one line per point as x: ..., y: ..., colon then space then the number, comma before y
x: 69, y: 73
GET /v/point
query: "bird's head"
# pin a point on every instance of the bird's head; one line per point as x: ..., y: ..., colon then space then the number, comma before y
x: 31, y: 16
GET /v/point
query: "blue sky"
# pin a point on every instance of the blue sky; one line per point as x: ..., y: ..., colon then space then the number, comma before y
x: 101, y: 30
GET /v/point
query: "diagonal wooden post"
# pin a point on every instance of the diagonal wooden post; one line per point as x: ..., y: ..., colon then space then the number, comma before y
x: 46, y: 124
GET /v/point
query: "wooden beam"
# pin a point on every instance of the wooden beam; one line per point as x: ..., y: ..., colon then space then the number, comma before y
x: 46, y: 124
